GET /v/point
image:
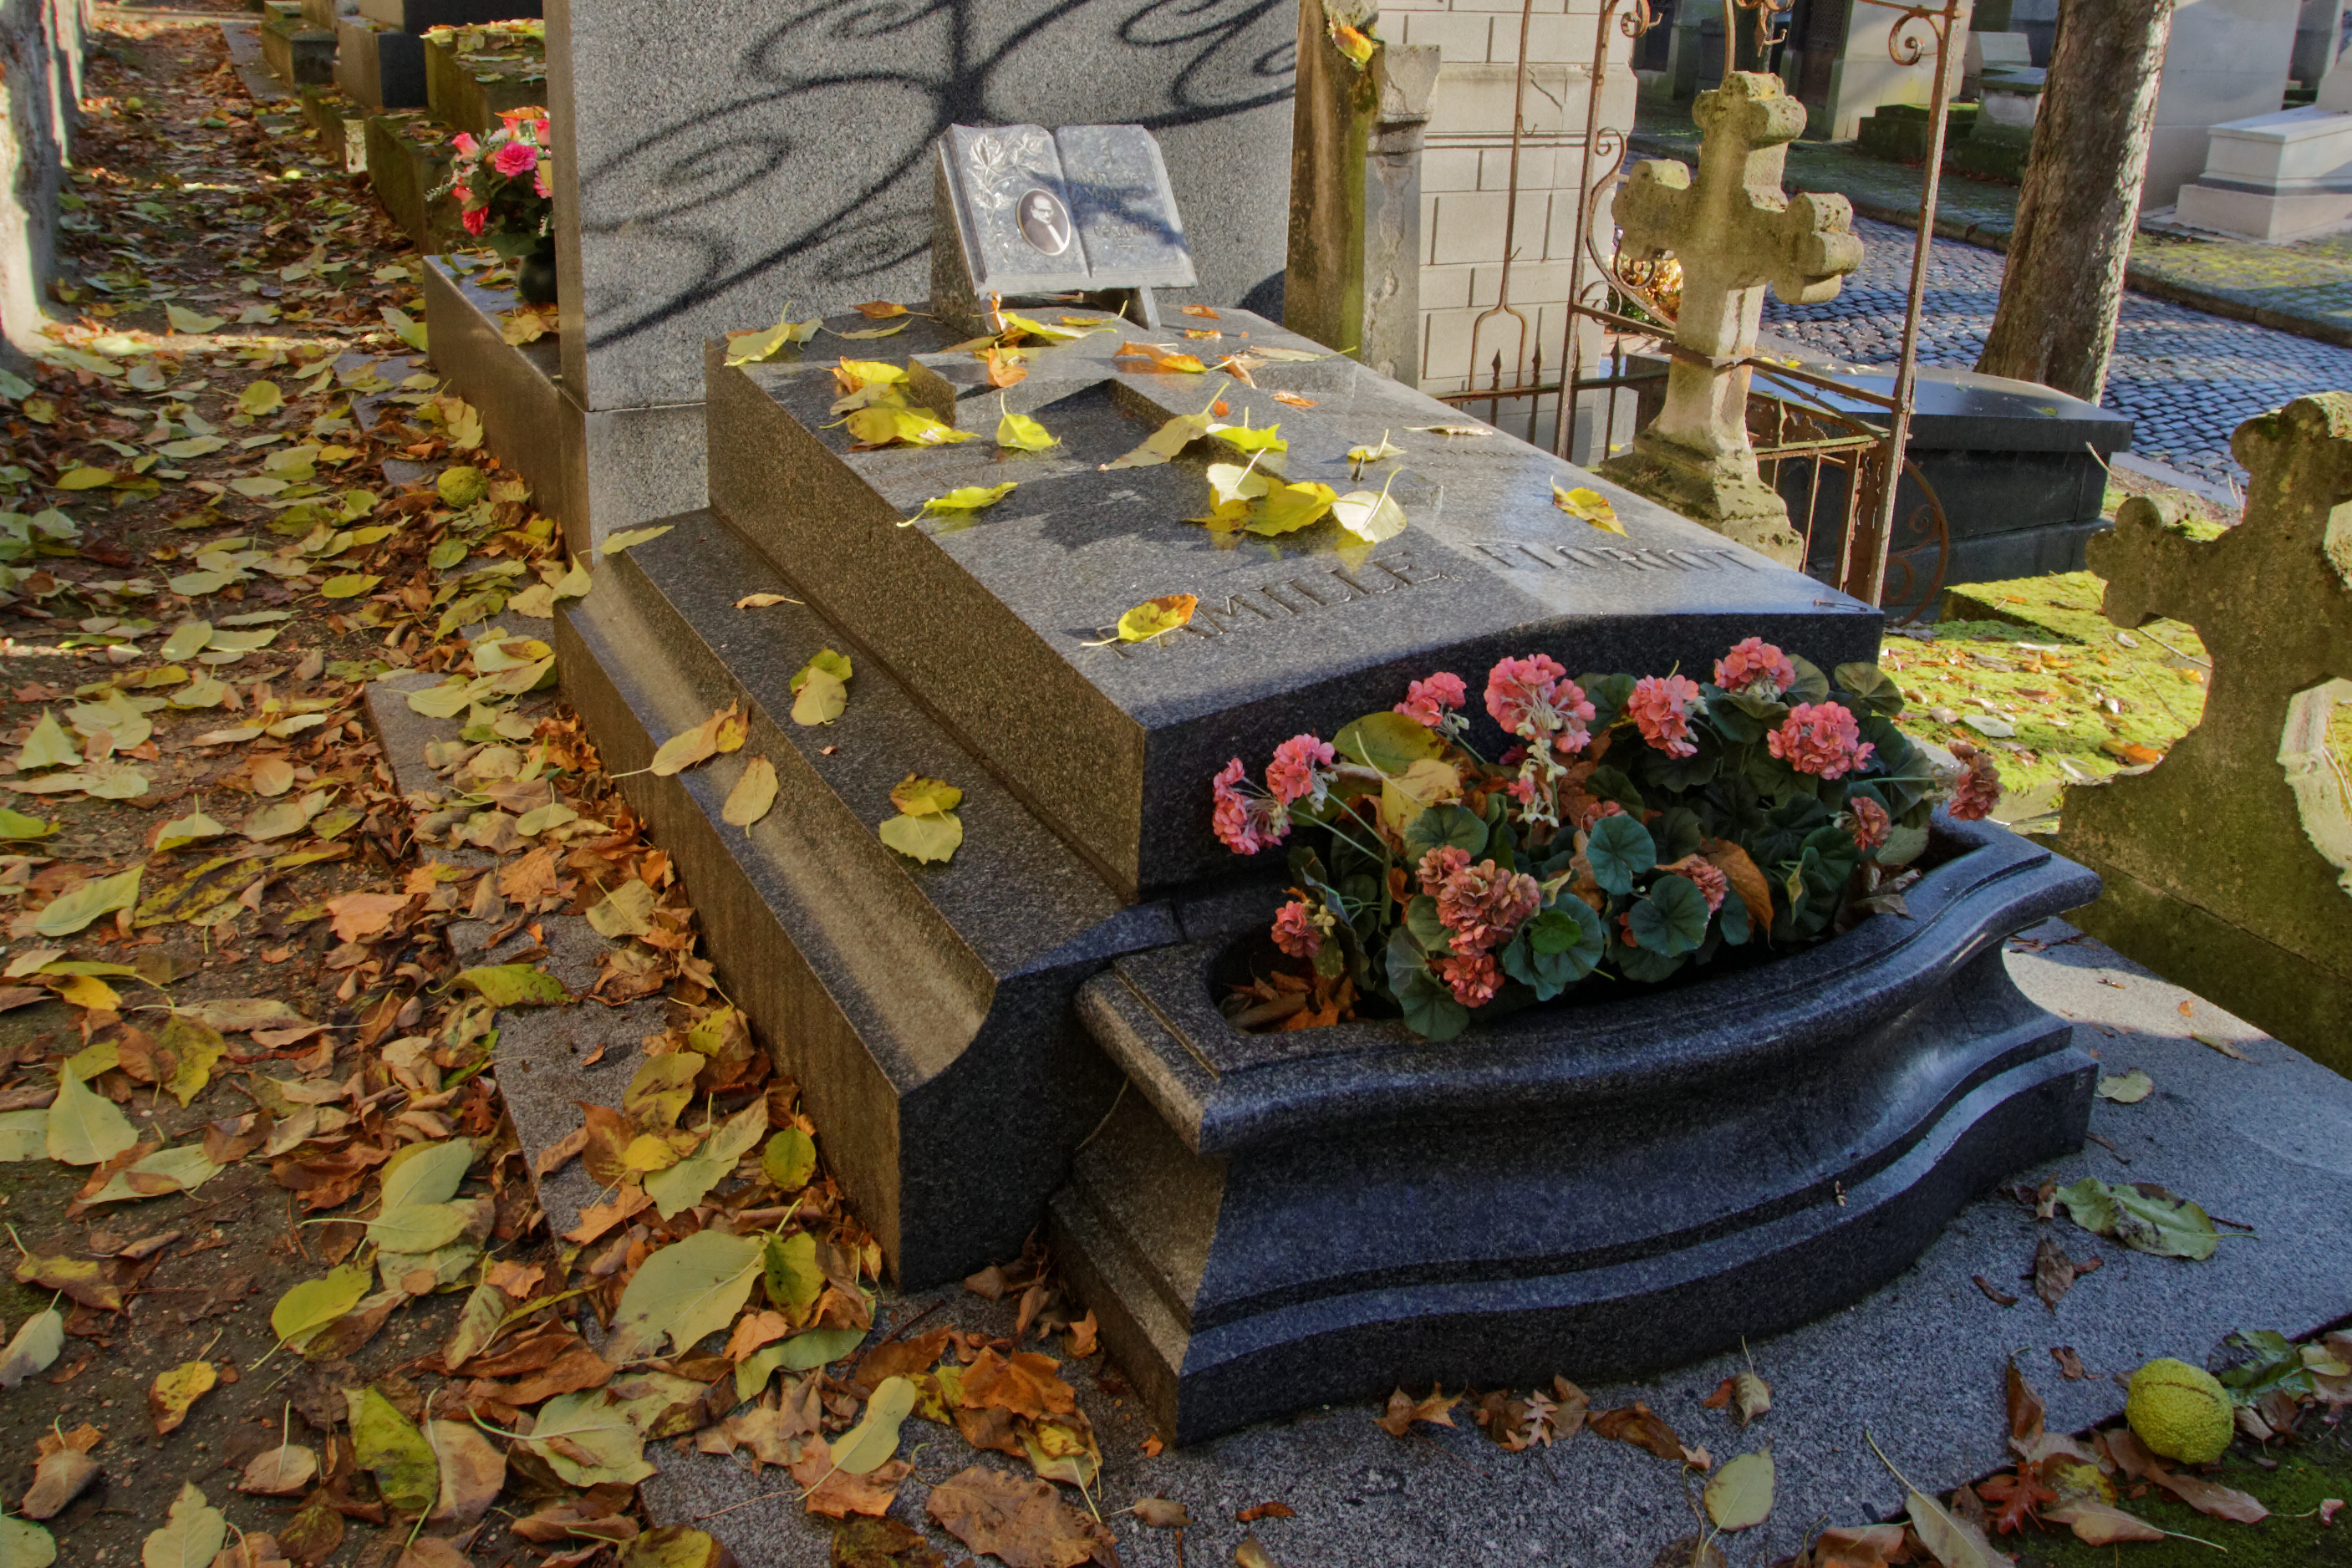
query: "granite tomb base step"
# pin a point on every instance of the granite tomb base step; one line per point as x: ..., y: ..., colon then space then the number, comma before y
x: 596, y: 472
x: 1272, y: 1221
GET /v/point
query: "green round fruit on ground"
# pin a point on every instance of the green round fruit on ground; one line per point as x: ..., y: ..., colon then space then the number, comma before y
x: 2180, y: 1411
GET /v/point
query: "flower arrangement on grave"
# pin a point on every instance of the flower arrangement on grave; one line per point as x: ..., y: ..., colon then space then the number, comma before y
x: 1636, y: 827
x: 505, y: 197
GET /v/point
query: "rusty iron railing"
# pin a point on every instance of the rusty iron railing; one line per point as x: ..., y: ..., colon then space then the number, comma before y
x: 1788, y: 426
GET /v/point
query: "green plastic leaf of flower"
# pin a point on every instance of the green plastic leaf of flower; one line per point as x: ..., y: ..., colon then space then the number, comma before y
x: 315, y: 1303
x: 1019, y: 433
x: 1445, y: 825
x: 387, y: 1443
x: 684, y: 1291
x: 789, y: 1159
x: 1871, y: 687
x: 48, y: 746
x: 966, y: 499
x: 191, y: 1536
x: 85, y: 1128
x: 1429, y: 1005
x: 932, y: 839
x: 1619, y: 850
x: 1672, y: 919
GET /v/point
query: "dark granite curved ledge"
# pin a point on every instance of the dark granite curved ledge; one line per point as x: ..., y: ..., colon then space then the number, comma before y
x: 1222, y: 1090
x: 1273, y: 1221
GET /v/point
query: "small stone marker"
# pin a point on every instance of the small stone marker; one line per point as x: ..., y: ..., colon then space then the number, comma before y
x: 1734, y: 231
x: 1023, y: 210
x: 2227, y: 863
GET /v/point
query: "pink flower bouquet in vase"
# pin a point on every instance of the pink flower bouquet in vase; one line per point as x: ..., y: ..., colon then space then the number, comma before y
x: 505, y: 198
x: 1632, y: 827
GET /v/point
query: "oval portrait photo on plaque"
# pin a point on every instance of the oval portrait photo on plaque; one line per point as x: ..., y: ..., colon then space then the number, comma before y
x: 1044, y: 221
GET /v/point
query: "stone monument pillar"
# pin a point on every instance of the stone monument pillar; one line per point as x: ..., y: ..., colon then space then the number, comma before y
x: 1734, y: 231
x: 1353, y: 279
x: 2229, y: 864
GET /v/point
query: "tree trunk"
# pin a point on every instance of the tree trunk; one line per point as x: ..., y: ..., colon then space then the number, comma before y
x: 2075, y: 216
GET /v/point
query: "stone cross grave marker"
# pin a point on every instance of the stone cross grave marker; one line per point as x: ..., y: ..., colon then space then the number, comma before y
x: 1023, y: 210
x: 1734, y: 231
x: 2229, y: 864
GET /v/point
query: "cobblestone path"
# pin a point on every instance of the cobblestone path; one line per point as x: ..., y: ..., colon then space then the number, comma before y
x: 2188, y: 378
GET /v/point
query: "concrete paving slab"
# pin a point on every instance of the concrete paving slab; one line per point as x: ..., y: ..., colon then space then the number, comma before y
x: 244, y: 39
x: 2265, y: 1143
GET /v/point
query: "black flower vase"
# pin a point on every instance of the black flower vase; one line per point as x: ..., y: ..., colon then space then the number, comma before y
x: 535, y: 276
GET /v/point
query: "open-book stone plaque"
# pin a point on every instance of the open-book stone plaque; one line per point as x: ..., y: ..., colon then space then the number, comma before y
x: 1022, y: 210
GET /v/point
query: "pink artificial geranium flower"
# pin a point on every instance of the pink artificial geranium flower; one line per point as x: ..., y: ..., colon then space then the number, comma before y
x: 1978, y: 790
x: 1301, y: 769
x: 1295, y: 932
x: 1439, y: 864
x: 1595, y: 811
x: 1533, y: 697
x: 1482, y: 905
x: 1871, y: 822
x: 1244, y: 824
x: 1473, y: 977
x: 1706, y: 875
x: 1426, y: 702
x: 465, y: 143
x: 538, y: 132
x: 1661, y: 708
x: 476, y: 220
x: 1756, y: 666
x: 514, y: 159
x: 1822, y: 739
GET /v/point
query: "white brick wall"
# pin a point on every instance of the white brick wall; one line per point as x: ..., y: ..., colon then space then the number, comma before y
x: 1465, y: 178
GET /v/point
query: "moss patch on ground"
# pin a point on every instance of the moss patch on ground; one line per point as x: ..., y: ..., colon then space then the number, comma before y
x: 2307, y: 1474
x: 2031, y: 671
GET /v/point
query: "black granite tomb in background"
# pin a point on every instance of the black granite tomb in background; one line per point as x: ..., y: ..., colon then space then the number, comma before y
x: 2020, y: 471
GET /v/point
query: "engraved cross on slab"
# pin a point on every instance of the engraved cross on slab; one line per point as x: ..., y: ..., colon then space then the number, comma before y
x: 1734, y: 231
x: 1021, y: 210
